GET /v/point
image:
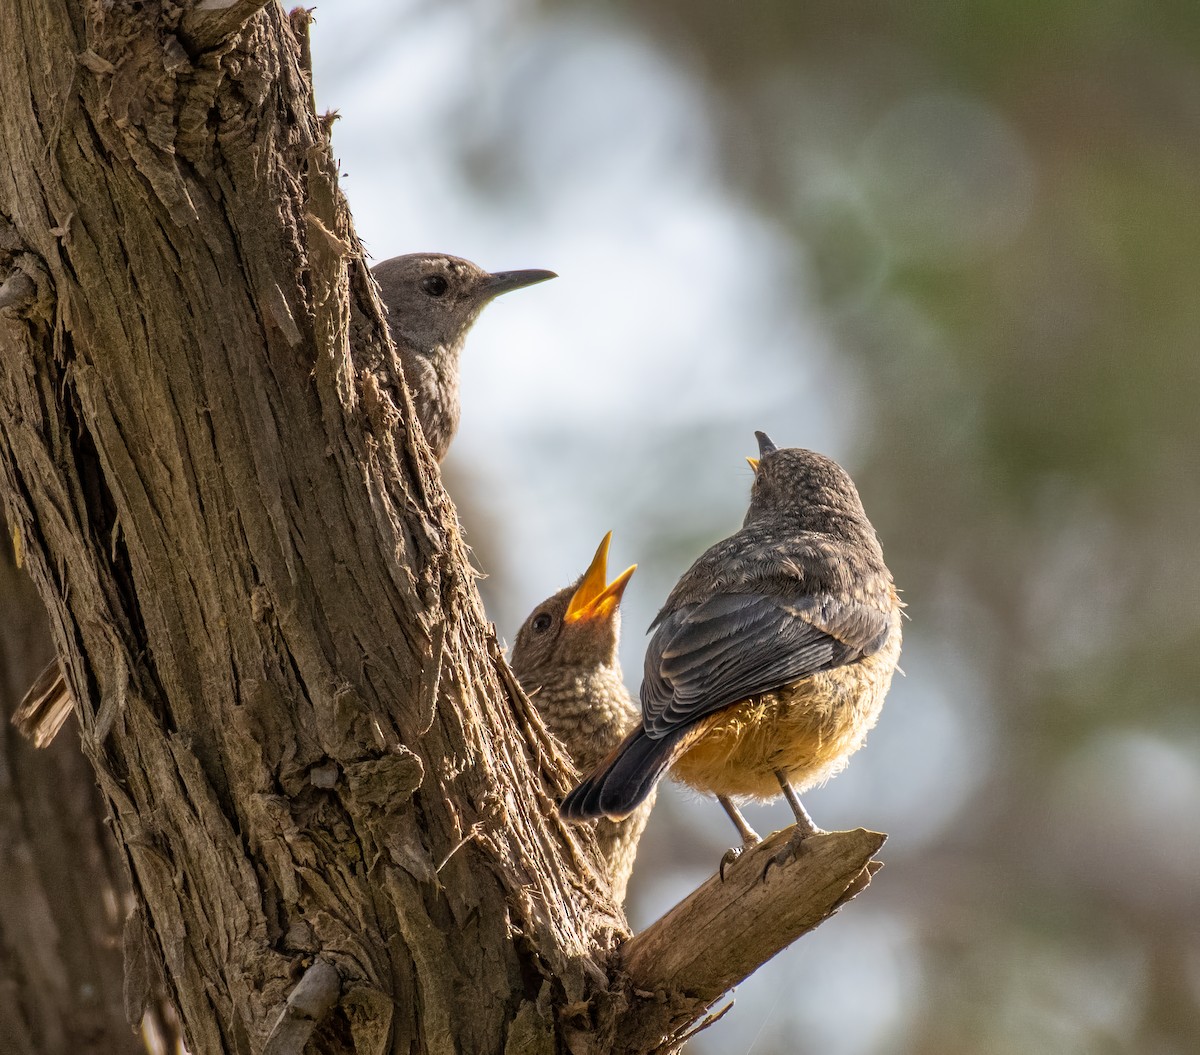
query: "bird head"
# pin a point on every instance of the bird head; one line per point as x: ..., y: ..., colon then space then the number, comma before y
x: 809, y: 490
x: 579, y: 627
x: 433, y: 299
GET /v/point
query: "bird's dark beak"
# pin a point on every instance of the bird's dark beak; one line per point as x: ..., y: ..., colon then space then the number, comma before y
x: 765, y: 446
x: 506, y: 281
x: 593, y: 597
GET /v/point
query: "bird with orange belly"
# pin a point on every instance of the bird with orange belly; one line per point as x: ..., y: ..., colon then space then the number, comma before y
x: 770, y: 659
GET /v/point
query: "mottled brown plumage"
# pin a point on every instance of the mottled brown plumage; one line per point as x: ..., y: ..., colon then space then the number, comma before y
x: 565, y: 658
x: 432, y: 301
x: 771, y: 657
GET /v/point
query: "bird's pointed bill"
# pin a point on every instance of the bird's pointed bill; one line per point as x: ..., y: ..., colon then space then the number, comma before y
x: 604, y: 605
x: 506, y: 281
x: 595, y: 597
x: 765, y: 446
x: 753, y: 463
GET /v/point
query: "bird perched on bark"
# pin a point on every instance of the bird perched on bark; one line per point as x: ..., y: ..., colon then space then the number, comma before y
x: 565, y: 658
x: 432, y: 301
x: 770, y: 659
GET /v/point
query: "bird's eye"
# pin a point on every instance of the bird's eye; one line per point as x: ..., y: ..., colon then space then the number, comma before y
x: 435, y: 285
x: 541, y: 622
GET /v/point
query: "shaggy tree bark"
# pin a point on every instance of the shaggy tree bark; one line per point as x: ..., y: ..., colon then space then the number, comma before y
x: 64, y: 887
x: 335, y: 804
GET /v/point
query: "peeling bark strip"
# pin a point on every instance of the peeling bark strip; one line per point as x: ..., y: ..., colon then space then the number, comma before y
x: 311, y: 749
x: 62, y: 884
x: 306, y: 1008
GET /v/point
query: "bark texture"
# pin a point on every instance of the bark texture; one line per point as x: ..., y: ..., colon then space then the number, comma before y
x: 286, y: 685
x: 335, y: 804
x: 64, y: 888
x: 721, y: 933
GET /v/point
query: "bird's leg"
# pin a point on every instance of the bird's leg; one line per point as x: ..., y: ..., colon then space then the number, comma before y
x: 804, y: 825
x: 803, y: 821
x: 749, y: 836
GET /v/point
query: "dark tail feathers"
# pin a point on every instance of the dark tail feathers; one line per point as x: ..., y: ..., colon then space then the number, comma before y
x: 623, y: 779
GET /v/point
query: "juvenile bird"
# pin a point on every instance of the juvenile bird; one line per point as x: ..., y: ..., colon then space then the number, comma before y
x: 432, y: 301
x: 565, y: 658
x: 771, y: 657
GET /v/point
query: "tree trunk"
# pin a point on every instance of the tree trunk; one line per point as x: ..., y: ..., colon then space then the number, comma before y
x: 288, y: 692
x: 336, y: 804
x: 64, y: 887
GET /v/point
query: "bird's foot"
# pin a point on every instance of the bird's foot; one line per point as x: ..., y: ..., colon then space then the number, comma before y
x: 749, y: 836
x: 791, y: 849
x: 729, y: 857
x: 734, y: 853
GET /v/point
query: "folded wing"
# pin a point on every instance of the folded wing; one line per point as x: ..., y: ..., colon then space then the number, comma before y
x: 707, y: 656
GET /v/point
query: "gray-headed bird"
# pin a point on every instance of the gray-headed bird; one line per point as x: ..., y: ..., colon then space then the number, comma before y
x: 771, y: 657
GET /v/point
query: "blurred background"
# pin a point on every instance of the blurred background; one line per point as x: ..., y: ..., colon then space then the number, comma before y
x: 955, y: 246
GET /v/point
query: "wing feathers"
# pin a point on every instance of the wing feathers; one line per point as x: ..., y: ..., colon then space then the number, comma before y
x: 624, y: 779
x: 707, y: 656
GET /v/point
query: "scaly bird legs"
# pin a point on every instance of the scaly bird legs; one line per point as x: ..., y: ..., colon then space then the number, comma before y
x: 803, y: 821
x: 749, y: 836
x: 804, y: 826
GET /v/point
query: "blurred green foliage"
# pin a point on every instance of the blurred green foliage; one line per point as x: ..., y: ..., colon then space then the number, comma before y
x: 999, y: 204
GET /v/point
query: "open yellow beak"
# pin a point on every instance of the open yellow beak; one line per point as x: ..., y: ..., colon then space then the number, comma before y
x: 594, y: 598
x: 753, y: 463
